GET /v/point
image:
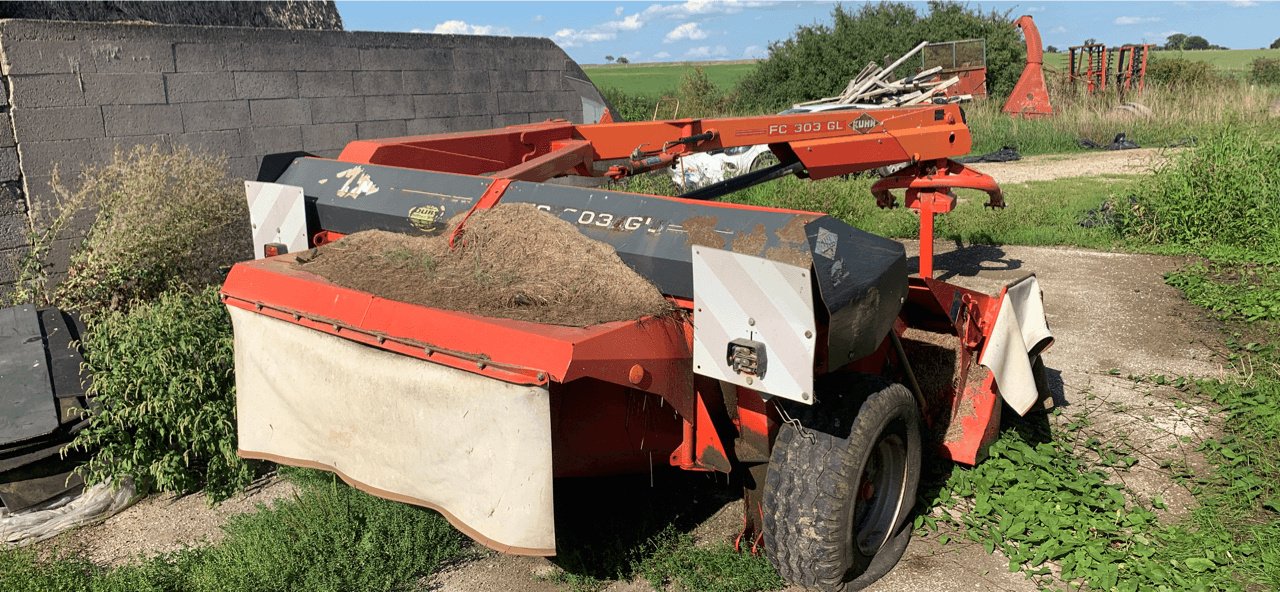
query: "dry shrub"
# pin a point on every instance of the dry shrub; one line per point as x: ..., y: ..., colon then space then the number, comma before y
x: 164, y: 217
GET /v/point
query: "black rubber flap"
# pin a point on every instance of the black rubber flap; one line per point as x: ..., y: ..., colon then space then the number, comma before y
x: 27, y: 407
x: 862, y: 279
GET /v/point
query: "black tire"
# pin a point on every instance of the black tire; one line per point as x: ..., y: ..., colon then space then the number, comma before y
x: 764, y: 159
x: 825, y: 525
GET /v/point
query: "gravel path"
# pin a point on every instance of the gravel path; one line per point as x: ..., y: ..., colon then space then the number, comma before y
x: 1087, y: 164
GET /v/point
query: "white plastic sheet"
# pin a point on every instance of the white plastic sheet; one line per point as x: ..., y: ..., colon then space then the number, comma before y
x: 46, y: 521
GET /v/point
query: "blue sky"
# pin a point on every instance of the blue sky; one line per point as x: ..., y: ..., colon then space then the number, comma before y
x: 736, y: 29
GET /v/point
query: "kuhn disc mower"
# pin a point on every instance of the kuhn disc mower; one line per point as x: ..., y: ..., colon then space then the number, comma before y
x: 783, y: 366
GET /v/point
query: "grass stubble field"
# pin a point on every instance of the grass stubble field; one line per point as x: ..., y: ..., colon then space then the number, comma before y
x: 1054, y: 502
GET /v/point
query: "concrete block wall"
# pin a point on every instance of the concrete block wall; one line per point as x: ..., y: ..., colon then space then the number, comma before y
x: 78, y: 91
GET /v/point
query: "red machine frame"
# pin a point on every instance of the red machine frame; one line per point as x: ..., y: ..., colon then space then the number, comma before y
x: 716, y: 429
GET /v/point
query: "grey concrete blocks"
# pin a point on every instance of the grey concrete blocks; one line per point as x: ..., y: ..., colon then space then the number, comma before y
x: 215, y: 143
x: 378, y: 83
x: 131, y: 55
x: 541, y: 81
x: 123, y: 89
x: 215, y: 115
x: 47, y: 90
x: 137, y: 120
x: 372, y: 130
x: 266, y: 85
x: 428, y: 82
x: 331, y: 136
x: 388, y: 107
x: 68, y: 156
x: 273, y: 112
x: 337, y: 110
x: 201, y: 57
x: 81, y: 89
x: 327, y: 84
x: 43, y: 56
x: 9, y: 169
x: 192, y: 87
x: 477, y: 103
x: 57, y: 123
x: 432, y: 106
x: 270, y: 140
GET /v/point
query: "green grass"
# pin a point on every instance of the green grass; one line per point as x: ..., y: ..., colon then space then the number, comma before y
x: 654, y: 80
x: 331, y: 538
x: 1233, y: 61
x: 1038, y: 212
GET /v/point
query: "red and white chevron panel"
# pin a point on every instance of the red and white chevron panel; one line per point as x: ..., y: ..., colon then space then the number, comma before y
x: 739, y: 296
x: 278, y: 215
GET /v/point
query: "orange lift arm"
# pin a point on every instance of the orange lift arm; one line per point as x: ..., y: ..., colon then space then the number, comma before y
x: 827, y: 144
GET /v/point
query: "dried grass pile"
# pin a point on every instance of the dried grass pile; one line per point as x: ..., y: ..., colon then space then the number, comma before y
x: 513, y: 262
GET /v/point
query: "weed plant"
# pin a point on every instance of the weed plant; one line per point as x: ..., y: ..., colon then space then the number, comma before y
x: 164, y: 397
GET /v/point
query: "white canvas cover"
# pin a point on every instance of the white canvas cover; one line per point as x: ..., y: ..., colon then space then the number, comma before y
x: 1020, y: 329
x: 476, y: 449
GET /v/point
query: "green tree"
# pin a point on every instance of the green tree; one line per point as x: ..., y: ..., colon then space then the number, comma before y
x: 1175, y: 41
x: 1275, y: 44
x: 1195, y: 42
x: 818, y: 60
x: 1051, y: 49
x: 623, y: 60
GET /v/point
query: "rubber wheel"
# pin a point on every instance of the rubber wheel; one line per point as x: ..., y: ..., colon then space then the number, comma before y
x: 840, y: 489
x: 765, y: 159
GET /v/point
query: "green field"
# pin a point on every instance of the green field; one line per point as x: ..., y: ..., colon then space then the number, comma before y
x: 655, y: 79
x: 1236, y: 61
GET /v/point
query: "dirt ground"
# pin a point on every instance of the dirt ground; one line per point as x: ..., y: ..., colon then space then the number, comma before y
x: 1060, y: 166
x: 163, y: 523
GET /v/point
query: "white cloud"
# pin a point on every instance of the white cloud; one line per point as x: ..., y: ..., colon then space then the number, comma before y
x: 629, y: 23
x: 1058, y: 29
x: 607, y: 31
x: 686, y: 31
x: 662, y: 55
x: 704, y: 51
x: 690, y: 8
x: 690, y: 11
x: 1159, y: 37
x: 1035, y: 9
x: 537, y: 18
x: 464, y: 28
x: 1242, y: 3
x: 576, y: 37
x: 1136, y: 20
x: 754, y: 51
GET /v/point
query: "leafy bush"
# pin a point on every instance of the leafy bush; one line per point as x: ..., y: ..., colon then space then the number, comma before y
x: 164, y: 216
x: 1220, y: 194
x: 1265, y: 71
x: 699, y: 97
x: 1183, y: 74
x: 818, y: 60
x: 628, y: 107
x: 163, y: 388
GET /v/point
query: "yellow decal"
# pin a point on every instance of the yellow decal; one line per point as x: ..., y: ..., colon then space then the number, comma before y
x: 425, y: 217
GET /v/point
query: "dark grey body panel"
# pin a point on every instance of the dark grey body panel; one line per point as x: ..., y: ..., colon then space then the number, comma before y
x: 27, y: 407
x: 861, y: 277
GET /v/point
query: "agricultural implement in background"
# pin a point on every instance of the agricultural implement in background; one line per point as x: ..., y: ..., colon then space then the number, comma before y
x: 1096, y: 66
x: 1030, y: 96
x: 786, y: 369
